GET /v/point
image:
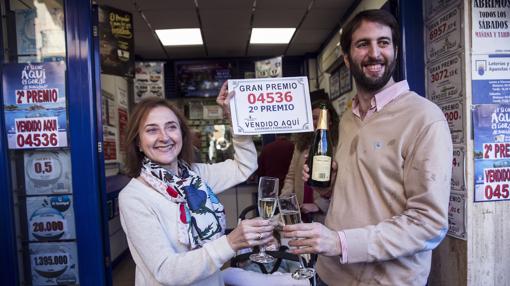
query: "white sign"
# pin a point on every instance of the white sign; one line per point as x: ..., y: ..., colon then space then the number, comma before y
x: 54, y: 263
x: 491, y: 27
x: 266, y: 106
x: 443, y: 35
x: 269, y: 68
x: 37, y: 132
x: 458, y: 170
x: 433, y: 7
x: 457, y: 216
x: 445, y: 79
x: 50, y: 218
x: 454, y: 113
x: 496, y: 185
x: 47, y: 172
x: 491, y: 67
x: 149, y: 80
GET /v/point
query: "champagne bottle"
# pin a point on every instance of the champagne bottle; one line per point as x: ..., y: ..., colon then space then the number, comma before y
x: 321, y: 153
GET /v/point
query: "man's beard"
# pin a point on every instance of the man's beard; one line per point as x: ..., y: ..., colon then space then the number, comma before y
x: 368, y: 83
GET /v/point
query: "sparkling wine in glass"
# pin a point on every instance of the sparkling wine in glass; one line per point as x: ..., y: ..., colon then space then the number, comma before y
x: 290, y: 214
x: 267, y: 196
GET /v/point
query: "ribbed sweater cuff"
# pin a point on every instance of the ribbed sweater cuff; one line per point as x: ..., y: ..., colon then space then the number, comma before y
x: 357, y: 242
x: 220, y: 250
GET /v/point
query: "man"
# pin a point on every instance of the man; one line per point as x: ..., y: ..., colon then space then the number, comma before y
x: 391, y: 191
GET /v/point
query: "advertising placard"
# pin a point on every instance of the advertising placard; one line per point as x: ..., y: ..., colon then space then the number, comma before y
x: 117, y: 44
x: 457, y: 216
x: 50, y: 218
x: 491, y: 124
x: 269, y: 68
x: 433, y: 7
x: 35, y: 105
x: 54, y: 263
x: 458, y: 169
x: 491, y: 27
x: 47, y: 172
x: 443, y: 34
x: 445, y: 79
x: 490, y: 79
x: 149, y: 80
x: 454, y: 113
x: 266, y: 106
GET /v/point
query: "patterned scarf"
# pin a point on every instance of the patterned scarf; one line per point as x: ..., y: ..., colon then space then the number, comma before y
x: 201, y: 215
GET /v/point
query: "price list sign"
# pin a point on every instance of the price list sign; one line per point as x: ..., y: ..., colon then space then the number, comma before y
x: 47, y: 172
x: 456, y: 216
x: 272, y: 105
x: 458, y: 182
x: 492, y: 152
x: 35, y: 105
x: 445, y: 79
x: 50, y: 218
x: 443, y: 35
x: 454, y: 114
x: 54, y: 263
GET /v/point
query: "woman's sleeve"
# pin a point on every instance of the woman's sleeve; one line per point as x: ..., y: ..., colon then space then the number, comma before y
x: 152, y: 244
x: 229, y: 173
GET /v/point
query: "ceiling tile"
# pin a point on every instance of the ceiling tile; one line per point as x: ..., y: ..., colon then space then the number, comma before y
x: 162, y: 4
x: 234, y: 37
x: 122, y: 5
x: 225, y: 4
x: 282, y: 4
x: 187, y: 52
x: 301, y: 49
x: 322, y: 19
x: 333, y: 4
x: 310, y: 36
x: 226, y: 19
x: 225, y: 51
x: 172, y: 19
x: 266, y: 18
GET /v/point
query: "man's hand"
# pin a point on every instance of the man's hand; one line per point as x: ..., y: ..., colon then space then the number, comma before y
x: 313, y: 238
x: 324, y: 192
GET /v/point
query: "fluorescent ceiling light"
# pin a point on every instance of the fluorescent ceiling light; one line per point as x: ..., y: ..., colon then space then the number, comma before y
x: 271, y: 35
x: 180, y: 37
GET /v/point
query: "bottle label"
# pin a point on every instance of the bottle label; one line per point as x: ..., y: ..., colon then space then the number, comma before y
x: 321, y: 168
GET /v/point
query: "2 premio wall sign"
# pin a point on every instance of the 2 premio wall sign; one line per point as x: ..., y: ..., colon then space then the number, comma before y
x: 35, y: 105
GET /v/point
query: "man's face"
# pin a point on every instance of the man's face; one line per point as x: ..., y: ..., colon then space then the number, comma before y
x: 371, y: 56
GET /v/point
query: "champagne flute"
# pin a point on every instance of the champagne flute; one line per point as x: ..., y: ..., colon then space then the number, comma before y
x: 267, y: 195
x: 291, y: 214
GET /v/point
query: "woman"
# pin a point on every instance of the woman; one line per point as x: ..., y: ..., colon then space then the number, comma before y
x: 172, y: 218
x: 313, y: 205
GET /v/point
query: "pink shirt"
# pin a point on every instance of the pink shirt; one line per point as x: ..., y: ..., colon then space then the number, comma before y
x: 381, y: 99
x: 376, y: 104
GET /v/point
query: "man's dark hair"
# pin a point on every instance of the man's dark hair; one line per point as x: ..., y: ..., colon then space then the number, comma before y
x: 376, y: 16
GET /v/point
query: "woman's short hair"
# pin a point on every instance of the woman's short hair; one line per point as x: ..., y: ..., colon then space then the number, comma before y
x: 376, y: 16
x: 134, y: 156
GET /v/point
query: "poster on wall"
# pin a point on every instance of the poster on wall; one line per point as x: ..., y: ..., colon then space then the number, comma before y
x: 117, y: 45
x: 54, y: 263
x: 47, y: 172
x: 443, y: 34
x: 50, y: 218
x: 491, y: 128
x: 35, y: 105
x: 269, y: 68
x: 345, y: 79
x: 458, y: 182
x: 445, y: 79
x: 40, y: 32
x: 457, y: 215
x: 334, y: 85
x: 267, y: 106
x: 454, y: 114
x: 433, y: 7
x: 110, y: 142
x: 491, y: 27
x: 202, y: 79
x: 490, y: 78
x: 149, y: 80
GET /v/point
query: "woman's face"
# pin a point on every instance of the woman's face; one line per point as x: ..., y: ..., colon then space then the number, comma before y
x: 161, y: 137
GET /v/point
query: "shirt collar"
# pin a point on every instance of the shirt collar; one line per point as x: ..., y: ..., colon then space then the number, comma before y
x: 381, y: 98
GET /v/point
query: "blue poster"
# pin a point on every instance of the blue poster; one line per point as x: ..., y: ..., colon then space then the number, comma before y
x: 35, y: 105
x: 491, y: 126
x: 491, y: 79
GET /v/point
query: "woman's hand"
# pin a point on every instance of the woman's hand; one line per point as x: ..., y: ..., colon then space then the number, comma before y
x: 251, y: 232
x: 223, y: 100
